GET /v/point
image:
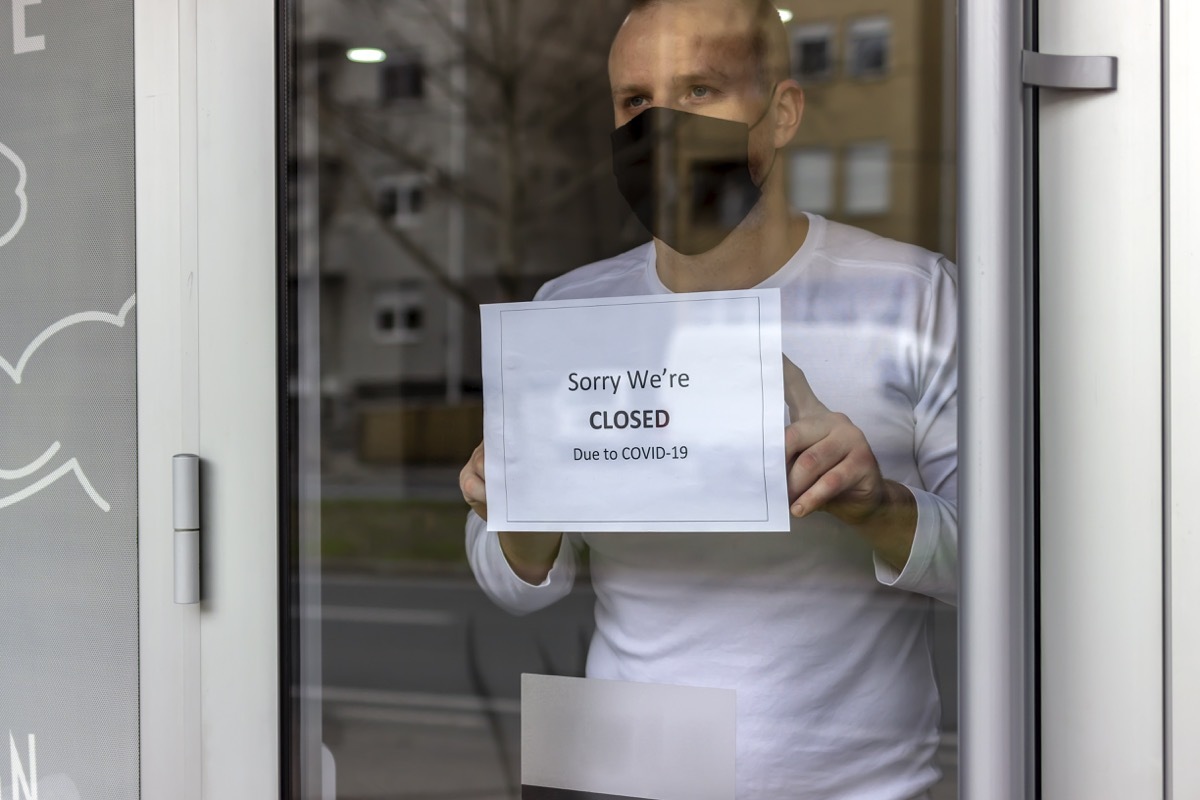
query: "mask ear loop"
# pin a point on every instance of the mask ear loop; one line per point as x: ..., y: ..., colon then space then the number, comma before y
x: 757, y: 122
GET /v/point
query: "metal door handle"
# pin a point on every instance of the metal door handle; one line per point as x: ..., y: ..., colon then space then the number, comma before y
x: 1076, y: 73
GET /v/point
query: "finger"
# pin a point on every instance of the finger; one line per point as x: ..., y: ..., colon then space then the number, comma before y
x: 471, y: 479
x: 799, y: 436
x: 813, y: 463
x: 827, y: 489
x: 798, y: 394
x: 473, y: 488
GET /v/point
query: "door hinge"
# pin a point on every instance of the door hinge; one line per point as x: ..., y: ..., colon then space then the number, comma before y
x: 1075, y: 73
x: 186, y: 480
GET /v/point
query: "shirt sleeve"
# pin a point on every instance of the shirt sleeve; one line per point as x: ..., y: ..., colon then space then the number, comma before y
x: 498, y: 581
x: 932, y: 567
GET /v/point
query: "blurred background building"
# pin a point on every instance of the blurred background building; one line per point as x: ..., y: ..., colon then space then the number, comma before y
x: 877, y: 146
x: 462, y: 156
x: 457, y: 152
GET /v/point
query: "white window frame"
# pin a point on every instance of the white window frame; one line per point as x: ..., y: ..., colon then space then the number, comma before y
x: 402, y: 58
x: 400, y: 301
x: 405, y: 216
x: 798, y: 196
x: 863, y: 28
x: 857, y: 163
x: 810, y: 32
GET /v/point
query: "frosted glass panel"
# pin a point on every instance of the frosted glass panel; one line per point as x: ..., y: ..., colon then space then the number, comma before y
x: 68, y: 436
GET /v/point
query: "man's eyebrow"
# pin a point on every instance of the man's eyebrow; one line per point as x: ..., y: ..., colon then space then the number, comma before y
x: 629, y: 89
x: 707, y: 74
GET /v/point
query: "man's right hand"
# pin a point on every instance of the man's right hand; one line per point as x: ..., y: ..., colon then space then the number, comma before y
x: 531, y: 555
x: 470, y: 481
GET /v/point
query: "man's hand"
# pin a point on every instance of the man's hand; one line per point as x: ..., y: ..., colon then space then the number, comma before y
x: 470, y: 482
x: 831, y: 468
x: 531, y: 555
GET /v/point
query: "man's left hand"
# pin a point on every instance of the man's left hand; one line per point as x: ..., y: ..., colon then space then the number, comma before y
x: 831, y: 468
x: 830, y: 464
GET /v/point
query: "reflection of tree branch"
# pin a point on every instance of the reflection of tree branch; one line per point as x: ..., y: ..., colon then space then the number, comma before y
x: 574, y: 188
x: 549, y: 32
x: 424, y: 261
x: 466, y: 53
x: 554, y: 112
x: 530, y: 79
x: 439, y: 177
x: 492, y: 15
x: 435, y: 10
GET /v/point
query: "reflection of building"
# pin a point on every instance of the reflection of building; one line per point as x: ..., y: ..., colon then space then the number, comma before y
x: 876, y: 148
x: 450, y: 176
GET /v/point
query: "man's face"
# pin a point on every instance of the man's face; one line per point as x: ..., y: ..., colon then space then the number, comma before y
x: 695, y: 56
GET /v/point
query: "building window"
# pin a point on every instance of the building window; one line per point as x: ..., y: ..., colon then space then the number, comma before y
x: 402, y: 78
x: 868, y: 187
x: 398, y: 316
x: 868, y: 47
x: 401, y: 199
x: 810, y: 180
x: 812, y: 52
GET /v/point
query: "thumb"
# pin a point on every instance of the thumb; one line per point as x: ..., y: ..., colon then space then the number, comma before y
x: 798, y: 395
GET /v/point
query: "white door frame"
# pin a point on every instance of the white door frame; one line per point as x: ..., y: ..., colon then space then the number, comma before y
x: 1182, y: 171
x: 1105, y: 634
x: 1101, y: 395
x: 237, y: 395
x: 206, y: 165
x: 169, y: 634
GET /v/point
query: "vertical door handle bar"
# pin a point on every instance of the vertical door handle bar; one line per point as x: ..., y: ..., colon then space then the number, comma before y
x: 995, y: 405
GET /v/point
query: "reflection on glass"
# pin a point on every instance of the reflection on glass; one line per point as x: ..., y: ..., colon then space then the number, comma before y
x: 470, y: 159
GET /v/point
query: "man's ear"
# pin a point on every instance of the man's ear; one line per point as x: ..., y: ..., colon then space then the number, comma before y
x: 789, y: 111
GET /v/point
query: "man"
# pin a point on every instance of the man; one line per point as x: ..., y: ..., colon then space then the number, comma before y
x: 821, y: 631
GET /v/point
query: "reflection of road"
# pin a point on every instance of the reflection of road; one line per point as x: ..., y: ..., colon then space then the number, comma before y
x: 422, y: 683
x: 409, y: 483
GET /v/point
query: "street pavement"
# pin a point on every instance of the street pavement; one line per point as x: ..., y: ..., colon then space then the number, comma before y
x: 421, y: 684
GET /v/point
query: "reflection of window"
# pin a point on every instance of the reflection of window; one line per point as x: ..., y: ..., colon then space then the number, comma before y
x: 402, y: 77
x: 868, y: 42
x: 812, y: 52
x: 868, y: 178
x: 398, y: 316
x: 720, y: 195
x: 810, y: 180
x: 401, y: 199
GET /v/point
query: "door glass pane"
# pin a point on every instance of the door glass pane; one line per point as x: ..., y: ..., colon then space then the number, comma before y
x: 451, y: 155
x: 68, y: 436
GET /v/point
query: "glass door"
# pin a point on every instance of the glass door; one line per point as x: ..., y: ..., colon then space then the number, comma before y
x: 445, y: 156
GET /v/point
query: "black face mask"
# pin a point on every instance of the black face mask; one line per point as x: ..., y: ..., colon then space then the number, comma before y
x: 686, y: 176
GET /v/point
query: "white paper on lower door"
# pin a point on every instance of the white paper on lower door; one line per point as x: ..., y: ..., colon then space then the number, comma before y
x: 583, y: 738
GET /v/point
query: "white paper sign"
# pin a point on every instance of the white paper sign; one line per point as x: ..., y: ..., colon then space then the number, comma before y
x: 587, y: 738
x: 659, y: 413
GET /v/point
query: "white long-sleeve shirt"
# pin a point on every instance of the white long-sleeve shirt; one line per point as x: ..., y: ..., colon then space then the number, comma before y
x: 825, y: 644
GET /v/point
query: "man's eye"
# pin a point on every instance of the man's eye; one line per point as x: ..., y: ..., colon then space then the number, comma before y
x: 635, y: 102
x: 700, y: 91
